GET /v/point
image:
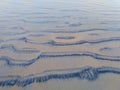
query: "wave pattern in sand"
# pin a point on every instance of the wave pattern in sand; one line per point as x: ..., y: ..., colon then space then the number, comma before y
x: 66, y: 38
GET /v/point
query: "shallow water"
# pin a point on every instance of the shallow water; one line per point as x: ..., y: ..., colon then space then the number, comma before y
x: 59, y: 45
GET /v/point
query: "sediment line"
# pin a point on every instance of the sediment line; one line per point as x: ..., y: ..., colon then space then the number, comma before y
x: 87, y: 73
x: 12, y: 62
x: 54, y: 43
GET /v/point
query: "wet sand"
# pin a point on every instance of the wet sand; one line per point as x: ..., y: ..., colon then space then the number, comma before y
x: 59, y: 45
